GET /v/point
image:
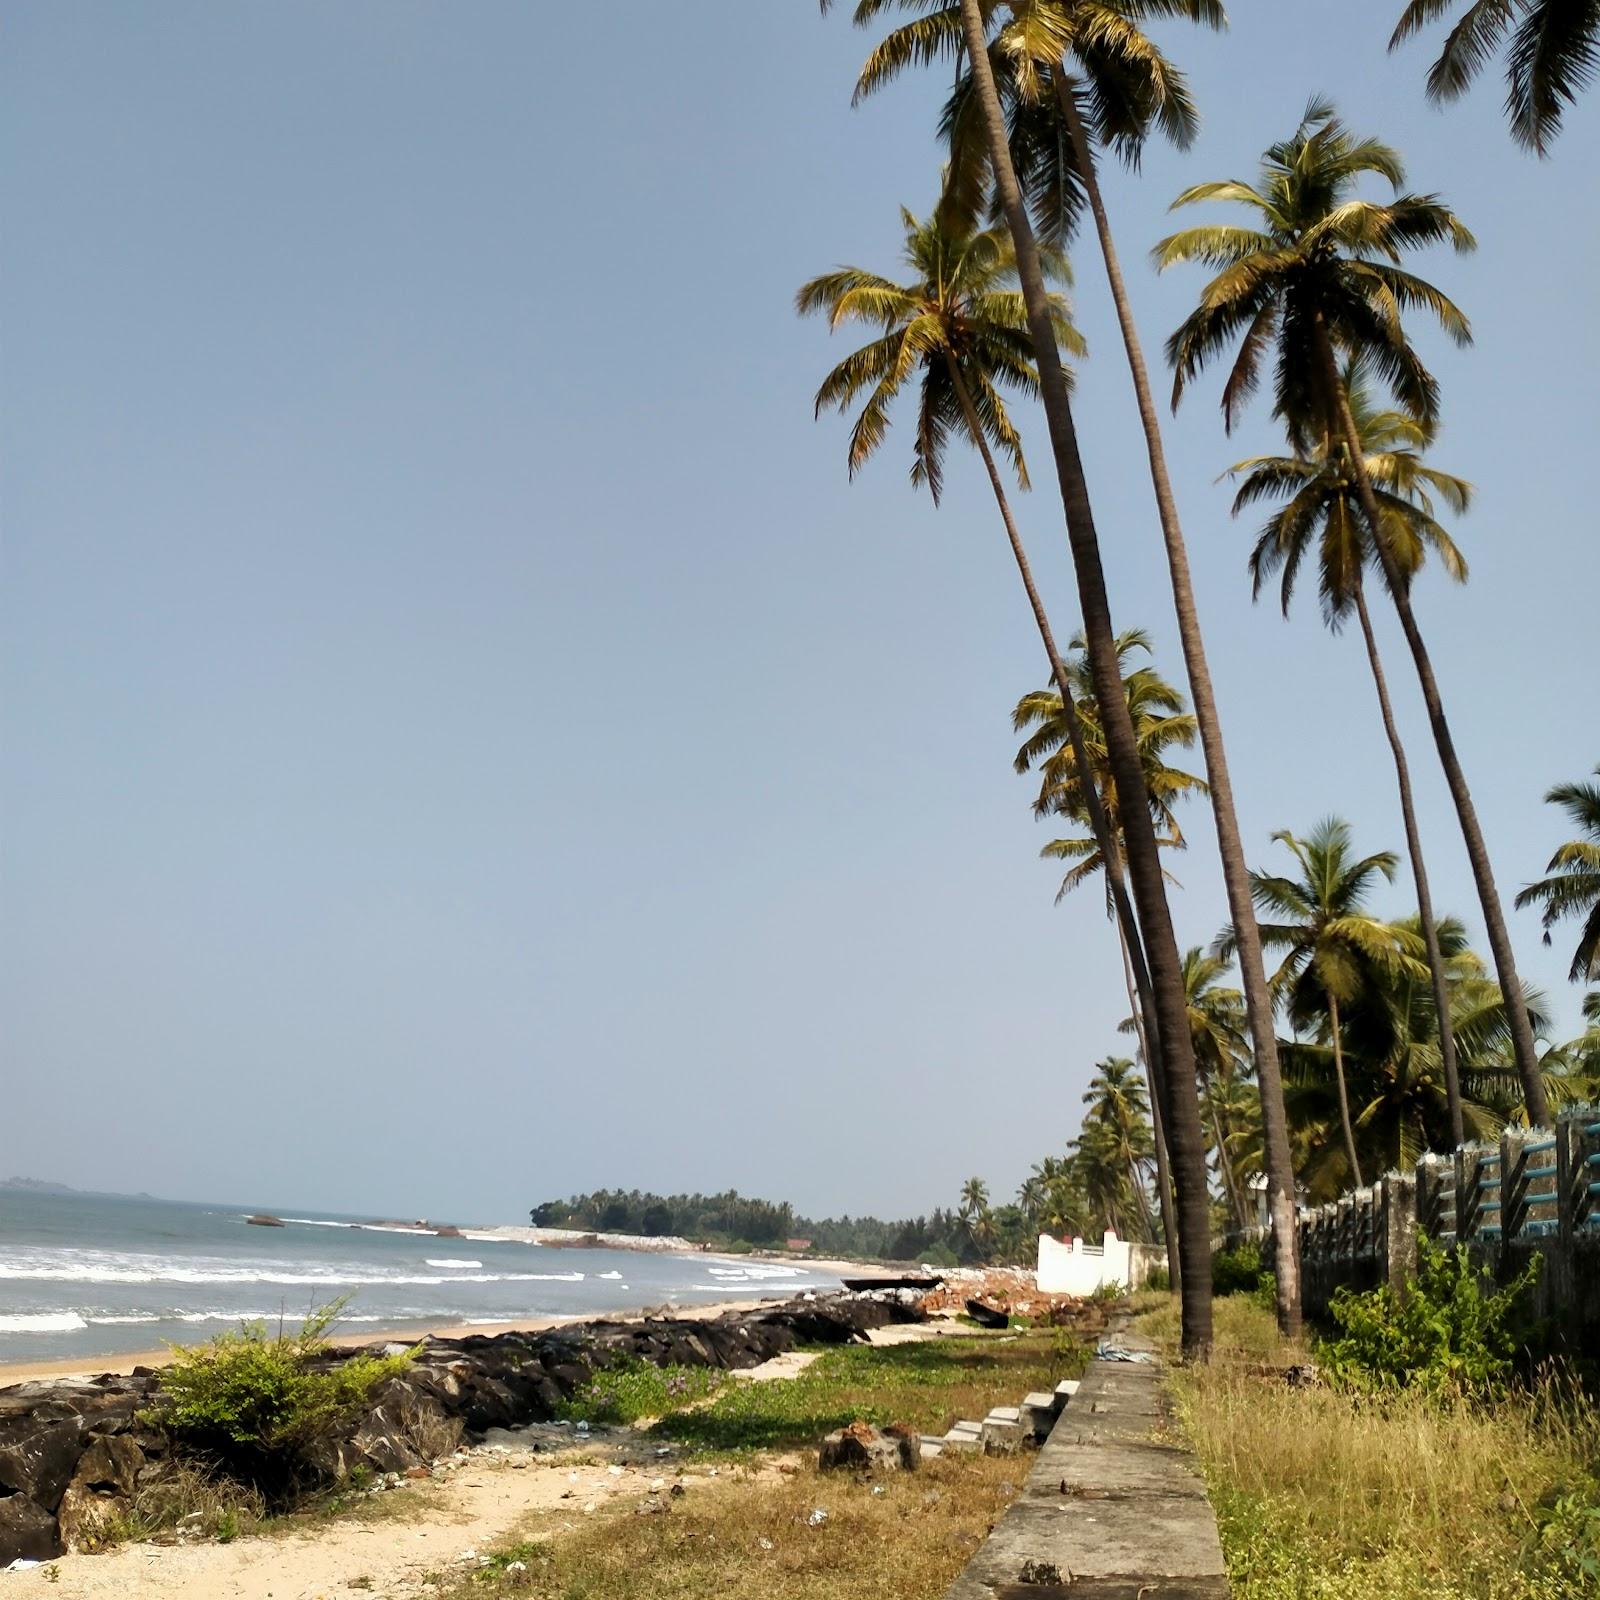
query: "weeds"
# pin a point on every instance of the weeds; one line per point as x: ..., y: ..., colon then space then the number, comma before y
x: 1447, y: 1331
x: 637, y: 1390
x: 1343, y: 1493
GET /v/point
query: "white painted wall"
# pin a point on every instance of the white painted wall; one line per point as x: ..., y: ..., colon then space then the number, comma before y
x: 1080, y: 1269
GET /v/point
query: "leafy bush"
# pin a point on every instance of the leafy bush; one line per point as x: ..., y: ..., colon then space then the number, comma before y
x: 1158, y: 1280
x: 939, y: 1255
x: 256, y: 1402
x: 1237, y: 1270
x: 1444, y: 1332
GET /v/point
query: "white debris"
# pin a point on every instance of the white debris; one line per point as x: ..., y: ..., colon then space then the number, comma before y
x: 817, y: 1518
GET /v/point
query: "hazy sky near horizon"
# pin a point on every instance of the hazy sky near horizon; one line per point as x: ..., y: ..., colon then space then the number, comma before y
x: 465, y: 741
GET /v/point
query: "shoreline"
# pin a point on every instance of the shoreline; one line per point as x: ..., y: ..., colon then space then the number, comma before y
x: 119, y: 1363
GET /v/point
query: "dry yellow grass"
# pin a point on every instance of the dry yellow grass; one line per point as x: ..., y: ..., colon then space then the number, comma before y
x: 1322, y: 1495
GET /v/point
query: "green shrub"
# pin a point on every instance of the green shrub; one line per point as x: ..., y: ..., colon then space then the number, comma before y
x: 1158, y: 1280
x: 1237, y: 1270
x: 255, y: 1402
x: 938, y: 1255
x: 1444, y: 1332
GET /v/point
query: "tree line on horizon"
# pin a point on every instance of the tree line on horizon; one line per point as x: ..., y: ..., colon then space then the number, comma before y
x: 1308, y: 298
x: 731, y: 1221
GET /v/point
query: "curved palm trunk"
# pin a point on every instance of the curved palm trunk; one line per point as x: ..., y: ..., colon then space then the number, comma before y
x: 1419, y: 874
x: 1186, y: 1141
x: 1344, y: 1096
x: 1505, y: 961
x: 1169, y: 1228
x: 1230, y: 846
x: 1099, y: 822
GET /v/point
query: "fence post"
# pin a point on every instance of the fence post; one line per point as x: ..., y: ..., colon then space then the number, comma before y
x: 1400, y: 1206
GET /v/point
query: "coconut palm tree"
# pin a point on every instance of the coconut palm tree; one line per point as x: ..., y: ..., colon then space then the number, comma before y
x: 1320, y: 515
x: 1114, y: 1146
x: 1160, y: 723
x: 974, y: 1214
x: 960, y: 327
x: 1220, y: 1030
x: 1332, y: 945
x: 1078, y: 76
x: 1572, y: 888
x: 1552, y: 50
x: 1390, y: 1047
x: 1185, y: 1138
x: 1315, y: 280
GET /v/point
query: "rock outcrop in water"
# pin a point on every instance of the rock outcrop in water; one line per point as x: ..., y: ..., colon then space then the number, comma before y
x: 74, y: 1452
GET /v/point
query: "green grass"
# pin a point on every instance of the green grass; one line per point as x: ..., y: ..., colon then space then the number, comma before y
x: 927, y: 1385
x: 636, y: 1390
x: 1322, y: 1494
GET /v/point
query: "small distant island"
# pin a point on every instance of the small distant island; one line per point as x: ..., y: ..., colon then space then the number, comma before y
x: 42, y: 1186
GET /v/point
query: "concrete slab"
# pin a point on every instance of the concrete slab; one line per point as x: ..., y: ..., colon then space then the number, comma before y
x: 1112, y: 1505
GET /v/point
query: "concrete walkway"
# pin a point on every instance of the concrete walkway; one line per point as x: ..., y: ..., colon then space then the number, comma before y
x: 1112, y: 1510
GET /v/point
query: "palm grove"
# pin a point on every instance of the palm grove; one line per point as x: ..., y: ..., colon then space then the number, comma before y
x: 1316, y: 1043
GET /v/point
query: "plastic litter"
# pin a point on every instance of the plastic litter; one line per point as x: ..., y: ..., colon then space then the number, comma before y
x: 1106, y: 1351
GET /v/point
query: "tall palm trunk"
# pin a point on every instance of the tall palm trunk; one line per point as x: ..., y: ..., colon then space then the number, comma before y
x: 1158, y: 1123
x: 1344, y: 1094
x: 1230, y: 846
x: 1419, y: 873
x: 1505, y: 962
x: 1185, y: 1139
x: 1099, y: 822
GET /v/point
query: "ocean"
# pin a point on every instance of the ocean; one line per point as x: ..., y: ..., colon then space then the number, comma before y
x: 85, y: 1275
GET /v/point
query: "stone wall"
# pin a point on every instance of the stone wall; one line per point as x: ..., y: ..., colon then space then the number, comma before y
x: 75, y: 1451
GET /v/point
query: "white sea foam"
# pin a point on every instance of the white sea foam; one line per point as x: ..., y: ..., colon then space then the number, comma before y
x: 433, y: 1263
x: 43, y: 1322
x: 92, y: 1268
x: 608, y: 1274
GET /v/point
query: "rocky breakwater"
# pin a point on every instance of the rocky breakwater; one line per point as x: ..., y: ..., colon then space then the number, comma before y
x: 74, y: 1453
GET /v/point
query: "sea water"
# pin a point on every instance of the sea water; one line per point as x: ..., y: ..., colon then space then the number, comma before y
x: 96, y: 1275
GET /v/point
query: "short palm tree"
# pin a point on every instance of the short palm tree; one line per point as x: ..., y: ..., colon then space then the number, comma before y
x: 974, y: 1213
x: 1333, y: 947
x: 1315, y: 280
x: 1160, y: 724
x: 1572, y: 888
x: 1220, y: 1030
x: 1552, y: 51
x: 1390, y: 1044
x: 1319, y: 515
x: 1115, y: 1144
x: 1076, y: 77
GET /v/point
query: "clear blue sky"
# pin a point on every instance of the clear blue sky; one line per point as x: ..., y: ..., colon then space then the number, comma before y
x: 464, y: 740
